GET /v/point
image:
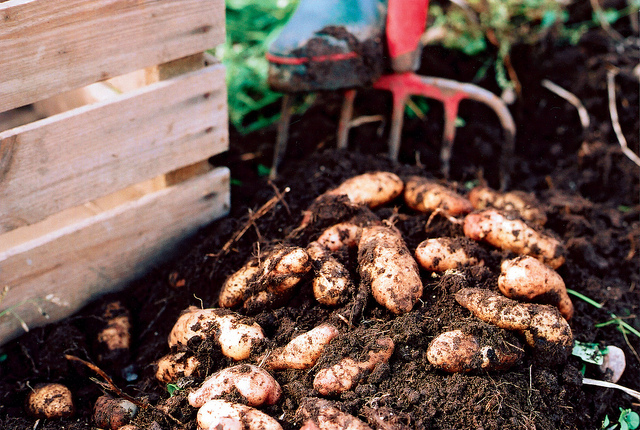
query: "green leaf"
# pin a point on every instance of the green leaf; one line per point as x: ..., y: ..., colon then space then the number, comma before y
x: 3, y: 357
x: 263, y: 170
x: 588, y: 352
x: 623, y: 208
x: 172, y: 389
x: 629, y: 419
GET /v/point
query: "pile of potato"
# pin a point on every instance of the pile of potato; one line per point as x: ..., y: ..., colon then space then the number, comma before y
x: 530, y: 299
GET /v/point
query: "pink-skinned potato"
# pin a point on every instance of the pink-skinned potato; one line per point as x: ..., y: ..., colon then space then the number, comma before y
x: 427, y: 195
x: 304, y: 350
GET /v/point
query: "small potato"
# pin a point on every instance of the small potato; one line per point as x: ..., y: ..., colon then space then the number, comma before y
x: 340, y: 236
x: 321, y: 414
x: 455, y: 351
x: 112, y: 414
x: 347, y: 372
x: 371, y: 189
x: 544, y: 329
x: 512, y: 234
x: 526, y: 278
x: 114, y: 339
x: 426, y: 195
x: 613, y: 364
x: 448, y: 253
x: 222, y: 415
x: 304, y: 350
x: 253, y: 383
x: 236, y: 288
x: 332, y: 283
x: 526, y: 204
x: 50, y: 401
x: 174, y: 366
x: 387, y: 266
x: 236, y: 339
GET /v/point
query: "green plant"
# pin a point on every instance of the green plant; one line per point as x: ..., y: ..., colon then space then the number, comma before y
x: 623, y: 327
x: 628, y: 420
x: 172, y: 389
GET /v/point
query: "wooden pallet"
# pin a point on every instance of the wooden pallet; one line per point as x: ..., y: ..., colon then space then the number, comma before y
x: 108, y: 171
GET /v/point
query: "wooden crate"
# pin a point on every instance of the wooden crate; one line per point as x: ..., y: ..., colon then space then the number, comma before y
x: 111, y: 173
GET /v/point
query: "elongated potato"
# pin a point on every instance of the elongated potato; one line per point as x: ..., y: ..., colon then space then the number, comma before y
x: 340, y: 236
x: 389, y: 269
x: 526, y: 278
x: 544, y: 329
x: 427, y: 195
x: 304, y: 350
x: 251, y: 382
x: 235, y: 338
x: 525, y: 204
x: 332, y: 283
x: 222, y: 415
x: 347, y: 372
x: 321, y: 414
x: 513, y: 234
x: 174, y: 366
x: 237, y: 286
x: 455, y: 351
x: 448, y: 253
x: 372, y: 189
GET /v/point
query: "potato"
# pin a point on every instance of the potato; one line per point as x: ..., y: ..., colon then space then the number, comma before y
x: 613, y: 364
x: 50, y: 401
x: 427, y: 195
x: 526, y: 204
x: 389, y: 269
x: 321, y: 414
x: 347, y: 372
x: 174, y: 366
x: 340, y: 236
x: 455, y: 351
x: 448, y: 253
x: 512, y: 234
x: 304, y: 350
x: 526, y: 278
x: 253, y: 383
x: 114, y: 340
x: 237, y: 286
x: 332, y: 283
x: 110, y: 413
x: 222, y: 415
x: 236, y: 339
x: 542, y: 326
x: 371, y: 189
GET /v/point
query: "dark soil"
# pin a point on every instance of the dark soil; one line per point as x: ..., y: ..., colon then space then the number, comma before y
x: 588, y: 188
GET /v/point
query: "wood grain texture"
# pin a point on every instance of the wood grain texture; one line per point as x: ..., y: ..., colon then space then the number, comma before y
x: 85, y: 153
x: 64, y: 270
x: 53, y: 46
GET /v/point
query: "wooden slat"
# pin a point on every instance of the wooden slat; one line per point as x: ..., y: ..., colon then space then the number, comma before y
x: 71, y: 158
x: 53, y: 46
x: 64, y: 270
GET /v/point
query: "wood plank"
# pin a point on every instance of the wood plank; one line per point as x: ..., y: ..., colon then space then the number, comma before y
x: 53, y: 46
x: 79, y: 155
x: 66, y: 269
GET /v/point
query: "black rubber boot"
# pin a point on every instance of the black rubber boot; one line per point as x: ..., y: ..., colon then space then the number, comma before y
x: 329, y: 45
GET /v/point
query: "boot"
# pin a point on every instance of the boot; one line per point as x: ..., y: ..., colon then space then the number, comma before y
x: 329, y: 45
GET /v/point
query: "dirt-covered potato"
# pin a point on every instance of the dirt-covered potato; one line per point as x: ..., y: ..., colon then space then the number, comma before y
x: 321, y: 414
x: 542, y: 326
x: 340, y: 236
x: 455, y: 351
x: 174, y: 366
x: 528, y: 279
x: 255, y: 385
x: 235, y: 338
x: 332, y: 282
x: 223, y: 415
x: 50, y: 401
x: 513, y: 234
x: 389, y: 269
x: 112, y: 414
x: 427, y: 195
x: 114, y: 340
x: 304, y: 350
x: 372, y: 189
x: 237, y: 286
x: 526, y: 204
x: 448, y: 253
x: 347, y: 372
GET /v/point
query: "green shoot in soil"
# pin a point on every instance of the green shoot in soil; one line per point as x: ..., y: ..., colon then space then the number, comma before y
x: 622, y: 325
